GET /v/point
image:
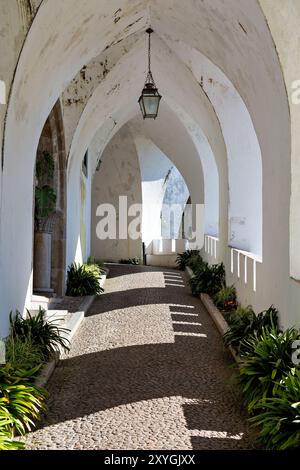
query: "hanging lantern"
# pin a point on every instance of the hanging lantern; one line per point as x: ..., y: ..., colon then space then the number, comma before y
x: 150, y: 98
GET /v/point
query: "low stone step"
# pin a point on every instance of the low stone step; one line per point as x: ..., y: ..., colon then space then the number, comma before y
x: 43, y: 301
x: 163, y: 260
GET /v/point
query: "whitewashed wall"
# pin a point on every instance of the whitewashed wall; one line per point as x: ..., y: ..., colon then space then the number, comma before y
x: 67, y: 35
x: 118, y: 175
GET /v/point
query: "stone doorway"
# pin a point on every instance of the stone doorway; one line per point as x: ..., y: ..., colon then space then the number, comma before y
x: 52, y: 140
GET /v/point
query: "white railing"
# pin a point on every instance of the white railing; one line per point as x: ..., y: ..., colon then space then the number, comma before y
x: 244, y: 264
x: 211, y: 245
x: 164, y: 246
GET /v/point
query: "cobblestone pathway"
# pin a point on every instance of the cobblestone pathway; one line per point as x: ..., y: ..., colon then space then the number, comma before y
x: 147, y: 370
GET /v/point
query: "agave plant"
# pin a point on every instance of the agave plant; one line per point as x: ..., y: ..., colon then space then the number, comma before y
x: 279, y: 416
x: 43, y: 333
x: 83, y: 280
x: 267, y: 359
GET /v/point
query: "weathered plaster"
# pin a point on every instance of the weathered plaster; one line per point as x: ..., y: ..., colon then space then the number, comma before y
x: 119, y: 175
x: 65, y: 36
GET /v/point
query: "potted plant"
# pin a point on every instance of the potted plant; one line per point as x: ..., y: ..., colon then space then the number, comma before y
x: 45, y: 206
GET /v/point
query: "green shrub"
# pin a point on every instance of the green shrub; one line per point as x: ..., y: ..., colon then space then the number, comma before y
x: 96, y: 262
x: 20, y: 404
x: 6, y: 443
x: 243, y: 322
x: 267, y: 358
x: 225, y: 299
x: 83, y: 280
x: 208, y: 279
x: 135, y: 261
x: 279, y: 416
x: 183, y: 258
x: 44, y: 334
x: 11, y: 376
x: 23, y: 352
x: 195, y: 263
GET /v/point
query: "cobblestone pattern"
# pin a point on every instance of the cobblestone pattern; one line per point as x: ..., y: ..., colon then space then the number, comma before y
x: 147, y: 370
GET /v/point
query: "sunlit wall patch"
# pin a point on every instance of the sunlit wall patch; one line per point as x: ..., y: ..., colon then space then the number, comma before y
x: 2, y: 92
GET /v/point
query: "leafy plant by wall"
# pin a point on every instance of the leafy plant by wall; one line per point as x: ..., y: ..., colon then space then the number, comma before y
x: 279, y: 416
x: 267, y: 358
x: 226, y: 299
x: 208, y: 279
x: 20, y: 404
x: 42, y: 332
x: 243, y: 322
x: 183, y: 258
x: 23, y: 353
x: 83, y: 280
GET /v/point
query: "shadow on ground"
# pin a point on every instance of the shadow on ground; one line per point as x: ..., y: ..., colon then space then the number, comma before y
x: 195, y: 368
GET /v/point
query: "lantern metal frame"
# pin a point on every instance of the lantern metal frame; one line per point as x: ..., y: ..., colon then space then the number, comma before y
x: 150, y: 90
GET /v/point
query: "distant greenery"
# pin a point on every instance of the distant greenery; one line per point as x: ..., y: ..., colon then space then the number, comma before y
x: 134, y: 261
x: 83, y: 279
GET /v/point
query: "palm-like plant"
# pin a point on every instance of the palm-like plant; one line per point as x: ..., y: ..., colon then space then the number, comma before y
x: 7, y: 443
x: 279, y: 416
x: 267, y: 358
x: 83, y: 280
x: 20, y: 404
